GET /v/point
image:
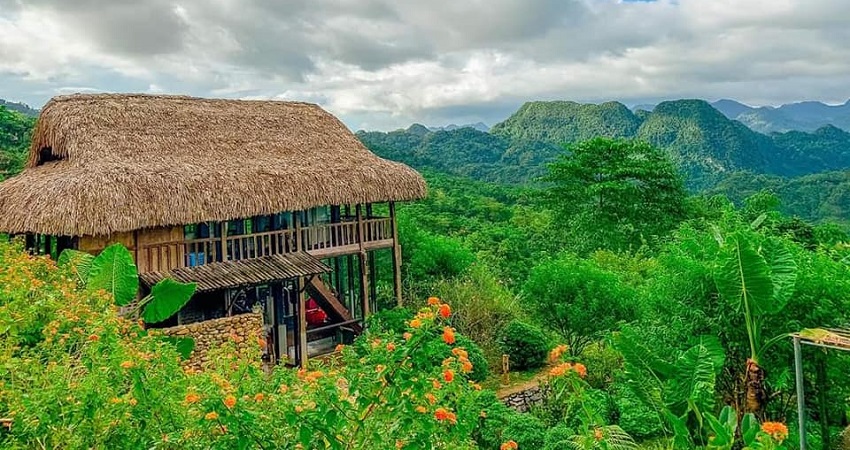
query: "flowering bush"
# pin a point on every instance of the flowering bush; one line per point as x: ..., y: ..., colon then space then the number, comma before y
x: 80, y: 376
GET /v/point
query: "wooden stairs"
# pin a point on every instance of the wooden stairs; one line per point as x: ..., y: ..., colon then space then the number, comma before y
x: 335, y: 310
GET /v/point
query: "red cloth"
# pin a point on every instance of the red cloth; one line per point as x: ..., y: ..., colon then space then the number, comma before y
x: 315, y: 315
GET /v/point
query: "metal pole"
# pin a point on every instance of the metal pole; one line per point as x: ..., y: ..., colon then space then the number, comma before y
x: 801, y: 400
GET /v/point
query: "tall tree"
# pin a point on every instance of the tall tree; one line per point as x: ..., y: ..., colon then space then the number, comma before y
x: 15, y: 132
x: 615, y: 193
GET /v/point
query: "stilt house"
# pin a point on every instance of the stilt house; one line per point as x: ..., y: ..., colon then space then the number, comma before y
x: 270, y: 207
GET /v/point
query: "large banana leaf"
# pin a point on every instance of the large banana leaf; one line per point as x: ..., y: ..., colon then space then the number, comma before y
x: 79, y: 263
x: 166, y: 298
x: 114, y: 271
x: 783, y: 273
x: 761, y: 280
x: 692, y: 388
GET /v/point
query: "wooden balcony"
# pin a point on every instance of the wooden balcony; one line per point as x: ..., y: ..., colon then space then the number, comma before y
x: 322, y: 241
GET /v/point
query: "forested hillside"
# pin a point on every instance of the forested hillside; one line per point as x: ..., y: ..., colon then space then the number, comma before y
x: 15, y: 129
x: 704, y: 144
x: 802, y: 116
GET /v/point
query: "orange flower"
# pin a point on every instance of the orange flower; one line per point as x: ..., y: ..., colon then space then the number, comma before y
x: 230, y: 401
x: 132, y: 402
x: 436, y: 384
x: 445, y: 311
x: 433, y: 301
x: 597, y: 434
x: 407, y: 336
x: 460, y: 353
x: 380, y: 368
x: 448, y: 376
x: 466, y: 366
x: 211, y: 415
x: 94, y: 338
x: 580, y: 369
x: 415, y: 323
x: 441, y: 414
x: 559, y: 370
x: 555, y: 354
x: 390, y: 347
x: 259, y: 397
x: 339, y: 348
x: 421, y: 409
x: 127, y: 365
x: 776, y: 430
x: 192, y: 398
x: 448, y: 335
x: 430, y: 397
x: 115, y: 400
x: 510, y: 445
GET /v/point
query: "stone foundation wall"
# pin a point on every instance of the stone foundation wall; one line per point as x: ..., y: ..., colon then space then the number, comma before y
x: 523, y: 400
x: 244, y: 329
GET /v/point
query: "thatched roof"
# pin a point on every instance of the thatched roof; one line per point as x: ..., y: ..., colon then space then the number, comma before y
x: 101, y: 164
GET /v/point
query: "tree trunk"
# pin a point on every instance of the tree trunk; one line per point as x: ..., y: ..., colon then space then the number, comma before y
x: 756, y: 395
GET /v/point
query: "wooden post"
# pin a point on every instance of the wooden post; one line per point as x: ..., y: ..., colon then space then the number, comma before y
x: 224, y: 241
x: 296, y: 218
x: 396, y: 255
x: 506, y: 370
x: 801, y: 398
x: 364, y: 264
x: 302, y: 321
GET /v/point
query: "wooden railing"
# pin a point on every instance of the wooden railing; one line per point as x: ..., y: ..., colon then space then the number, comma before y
x: 323, y: 238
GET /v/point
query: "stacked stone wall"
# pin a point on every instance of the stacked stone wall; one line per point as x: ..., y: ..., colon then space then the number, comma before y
x: 243, y: 329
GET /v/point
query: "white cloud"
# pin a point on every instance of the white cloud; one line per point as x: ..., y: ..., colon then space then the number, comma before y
x: 386, y: 63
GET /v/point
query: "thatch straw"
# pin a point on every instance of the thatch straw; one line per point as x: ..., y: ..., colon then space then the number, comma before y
x: 101, y: 164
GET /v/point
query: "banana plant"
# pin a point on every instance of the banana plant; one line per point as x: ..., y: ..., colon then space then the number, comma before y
x: 756, y: 276
x: 682, y: 388
x: 114, y: 271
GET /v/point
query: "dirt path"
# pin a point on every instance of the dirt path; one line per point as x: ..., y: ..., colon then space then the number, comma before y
x: 507, y: 391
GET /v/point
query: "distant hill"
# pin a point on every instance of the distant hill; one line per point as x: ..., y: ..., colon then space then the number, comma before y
x: 558, y: 122
x: 803, y: 116
x: 480, y: 126
x: 816, y: 197
x: 706, y: 144
x: 15, y: 129
x: 19, y: 107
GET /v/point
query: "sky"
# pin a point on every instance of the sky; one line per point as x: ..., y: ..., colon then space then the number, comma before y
x: 384, y: 64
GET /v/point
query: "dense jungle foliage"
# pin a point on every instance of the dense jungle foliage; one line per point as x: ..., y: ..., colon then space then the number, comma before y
x: 656, y: 319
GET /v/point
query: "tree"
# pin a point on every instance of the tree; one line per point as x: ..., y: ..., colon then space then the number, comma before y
x: 615, y: 193
x: 578, y: 299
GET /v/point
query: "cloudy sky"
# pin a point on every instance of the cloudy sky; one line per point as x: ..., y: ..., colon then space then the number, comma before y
x: 382, y: 64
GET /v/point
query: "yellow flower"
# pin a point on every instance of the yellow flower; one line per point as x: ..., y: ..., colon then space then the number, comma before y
x: 127, y: 365
x: 415, y: 323
x: 211, y: 415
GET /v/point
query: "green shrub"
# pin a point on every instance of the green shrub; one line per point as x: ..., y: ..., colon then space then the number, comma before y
x: 390, y: 320
x: 526, y: 430
x: 481, y: 306
x: 579, y: 300
x: 492, y: 423
x: 525, y: 344
x: 557, y: 438
x: 480, y: 368
x: 603, y: 363
x: 637, y: 419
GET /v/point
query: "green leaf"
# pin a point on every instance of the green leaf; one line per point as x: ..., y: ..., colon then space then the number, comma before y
x: 183, y: 345
x: 166, y: 298
x: 749, y: 429
x: 783, y: 272
x: 743, y: 277
x: 79, y: 263
x: 113, y: 270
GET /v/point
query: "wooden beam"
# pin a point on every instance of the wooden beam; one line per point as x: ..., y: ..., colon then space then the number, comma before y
x: 364, y: 264
x: 296, y: 219
x: 302, y: 322
x: 396, y: 255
